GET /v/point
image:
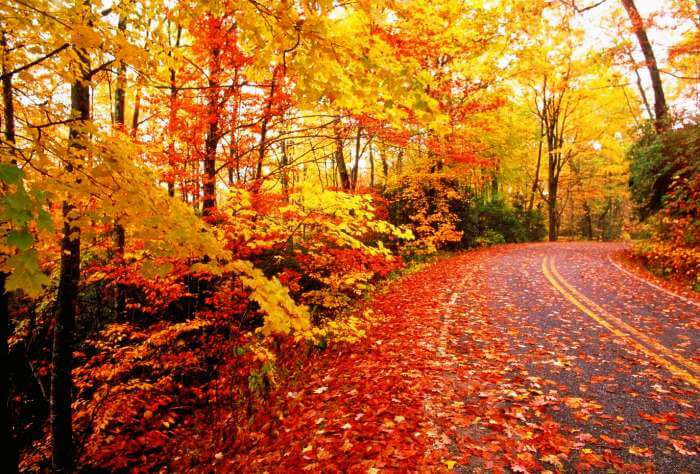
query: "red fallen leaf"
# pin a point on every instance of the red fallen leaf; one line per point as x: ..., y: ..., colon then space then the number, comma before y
x: 516, y: 467
x: 614, y: 460
x: 643, y: 452
x: 615, y: 443
x: 322, y: 454
x: 680, y: 447
x: 661, y: 418
x: 347, y: 446
x: 592, y: 459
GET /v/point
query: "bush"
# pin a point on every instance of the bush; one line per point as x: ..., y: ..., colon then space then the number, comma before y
x: 665, y: 185
x: 659, y: 163
x: 429, y: 204
x: 482, y: 219
x: 445, y: 214
x: 490, y: 237
x: 670, y: 260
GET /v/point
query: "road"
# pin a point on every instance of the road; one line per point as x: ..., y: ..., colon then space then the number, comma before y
x: 620, y: 357
x: 516, y: 358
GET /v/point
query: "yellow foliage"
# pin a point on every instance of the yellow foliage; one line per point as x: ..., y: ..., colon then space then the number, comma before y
x: 347, y: 329
x: 283, y: 315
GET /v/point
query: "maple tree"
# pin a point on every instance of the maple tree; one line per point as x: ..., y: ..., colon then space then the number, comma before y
x: 194, y: 195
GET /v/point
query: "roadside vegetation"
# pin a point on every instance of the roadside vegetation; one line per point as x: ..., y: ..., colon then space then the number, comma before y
x: 198, y: 198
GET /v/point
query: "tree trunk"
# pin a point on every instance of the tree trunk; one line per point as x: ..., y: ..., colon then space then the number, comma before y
x: 589, y: 220
x: 10, y: 453
x: 284, y: 178
x: 399, y: 163
x: 234, y: 160
x: 640, y: 86
x: 552, y: 189
x: 137, y: 108
x: 356, y: 166
x: 62, y: 459
x: 209, y: 181
x: 660, y: 107
x: 262, y: 146
x: 371, y: 167
x: 385, y: 165
x: 552, y: 219
x: 171, y: 122
x: 536, y: 180
x: 119, y: 234
x: 62, y: 353
x: 212, y: 138
x: 7, y: 95
x: 340, y: 163
x: 494, y: 185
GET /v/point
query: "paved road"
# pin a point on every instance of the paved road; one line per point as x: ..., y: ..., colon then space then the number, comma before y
x: 620, y: 357
x: 521, y: 358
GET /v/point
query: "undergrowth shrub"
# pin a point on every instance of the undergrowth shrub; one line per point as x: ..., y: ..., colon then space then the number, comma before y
x: 666, y: 187
x: 209, y: 336
x: 443, y: 213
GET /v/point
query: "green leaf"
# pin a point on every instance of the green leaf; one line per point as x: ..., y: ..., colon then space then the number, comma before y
x: 151, y: 270
x: 22, y: 239
x: 44, y: 221
x: 18, y: 207
x: 421, y: 105
x: 10, y: 174
x: 26, y: 275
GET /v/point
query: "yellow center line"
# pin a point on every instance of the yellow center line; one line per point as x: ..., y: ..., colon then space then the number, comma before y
x: 675, y: 370
x: 695, y: 368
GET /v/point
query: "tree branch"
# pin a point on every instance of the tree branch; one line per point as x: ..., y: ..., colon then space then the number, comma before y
x: 34, y: 63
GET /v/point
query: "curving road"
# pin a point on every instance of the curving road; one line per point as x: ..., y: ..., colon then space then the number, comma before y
x: 516, y: 358
x: 622, y: 356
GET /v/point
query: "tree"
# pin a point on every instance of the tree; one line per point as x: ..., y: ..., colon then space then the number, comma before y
x: 660, y: 106
x: 62, y: 459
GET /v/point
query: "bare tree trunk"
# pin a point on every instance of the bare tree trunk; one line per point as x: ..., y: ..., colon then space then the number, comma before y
x: 399, y: 162
x: 640, y: 86
x: 62, y: 459
x: 212, y: 139
x: 552, y: 186
x: 171, y: 121
x: 340, y: 163
x: 119, y: 234
x: 284, y: 179
x: 660, y: 107
x: 536, y: 180
x: 10, y: 454
x: 137, y: 108
x: 552, y: 217
x: 494, y: 185
x: 371, y: 167
x: 553, y: 125
x: 355, y: 168
x: 589, y: 220
x: 385, y: 165
x: 233, y: 158
x: 7, y: 94
x: 262, y: 146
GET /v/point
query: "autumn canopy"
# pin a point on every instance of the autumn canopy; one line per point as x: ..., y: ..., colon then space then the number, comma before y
x: 195, y: 194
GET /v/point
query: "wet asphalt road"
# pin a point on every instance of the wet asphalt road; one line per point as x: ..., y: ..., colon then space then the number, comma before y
x: 624, y: 355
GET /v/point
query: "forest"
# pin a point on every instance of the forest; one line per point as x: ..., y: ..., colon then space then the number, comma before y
x: 200, y: 199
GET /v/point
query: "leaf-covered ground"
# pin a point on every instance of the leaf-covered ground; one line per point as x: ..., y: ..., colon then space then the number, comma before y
x: 479, y: 363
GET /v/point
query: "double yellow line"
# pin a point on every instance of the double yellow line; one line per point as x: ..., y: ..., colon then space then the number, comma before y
x: 673, y: 362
